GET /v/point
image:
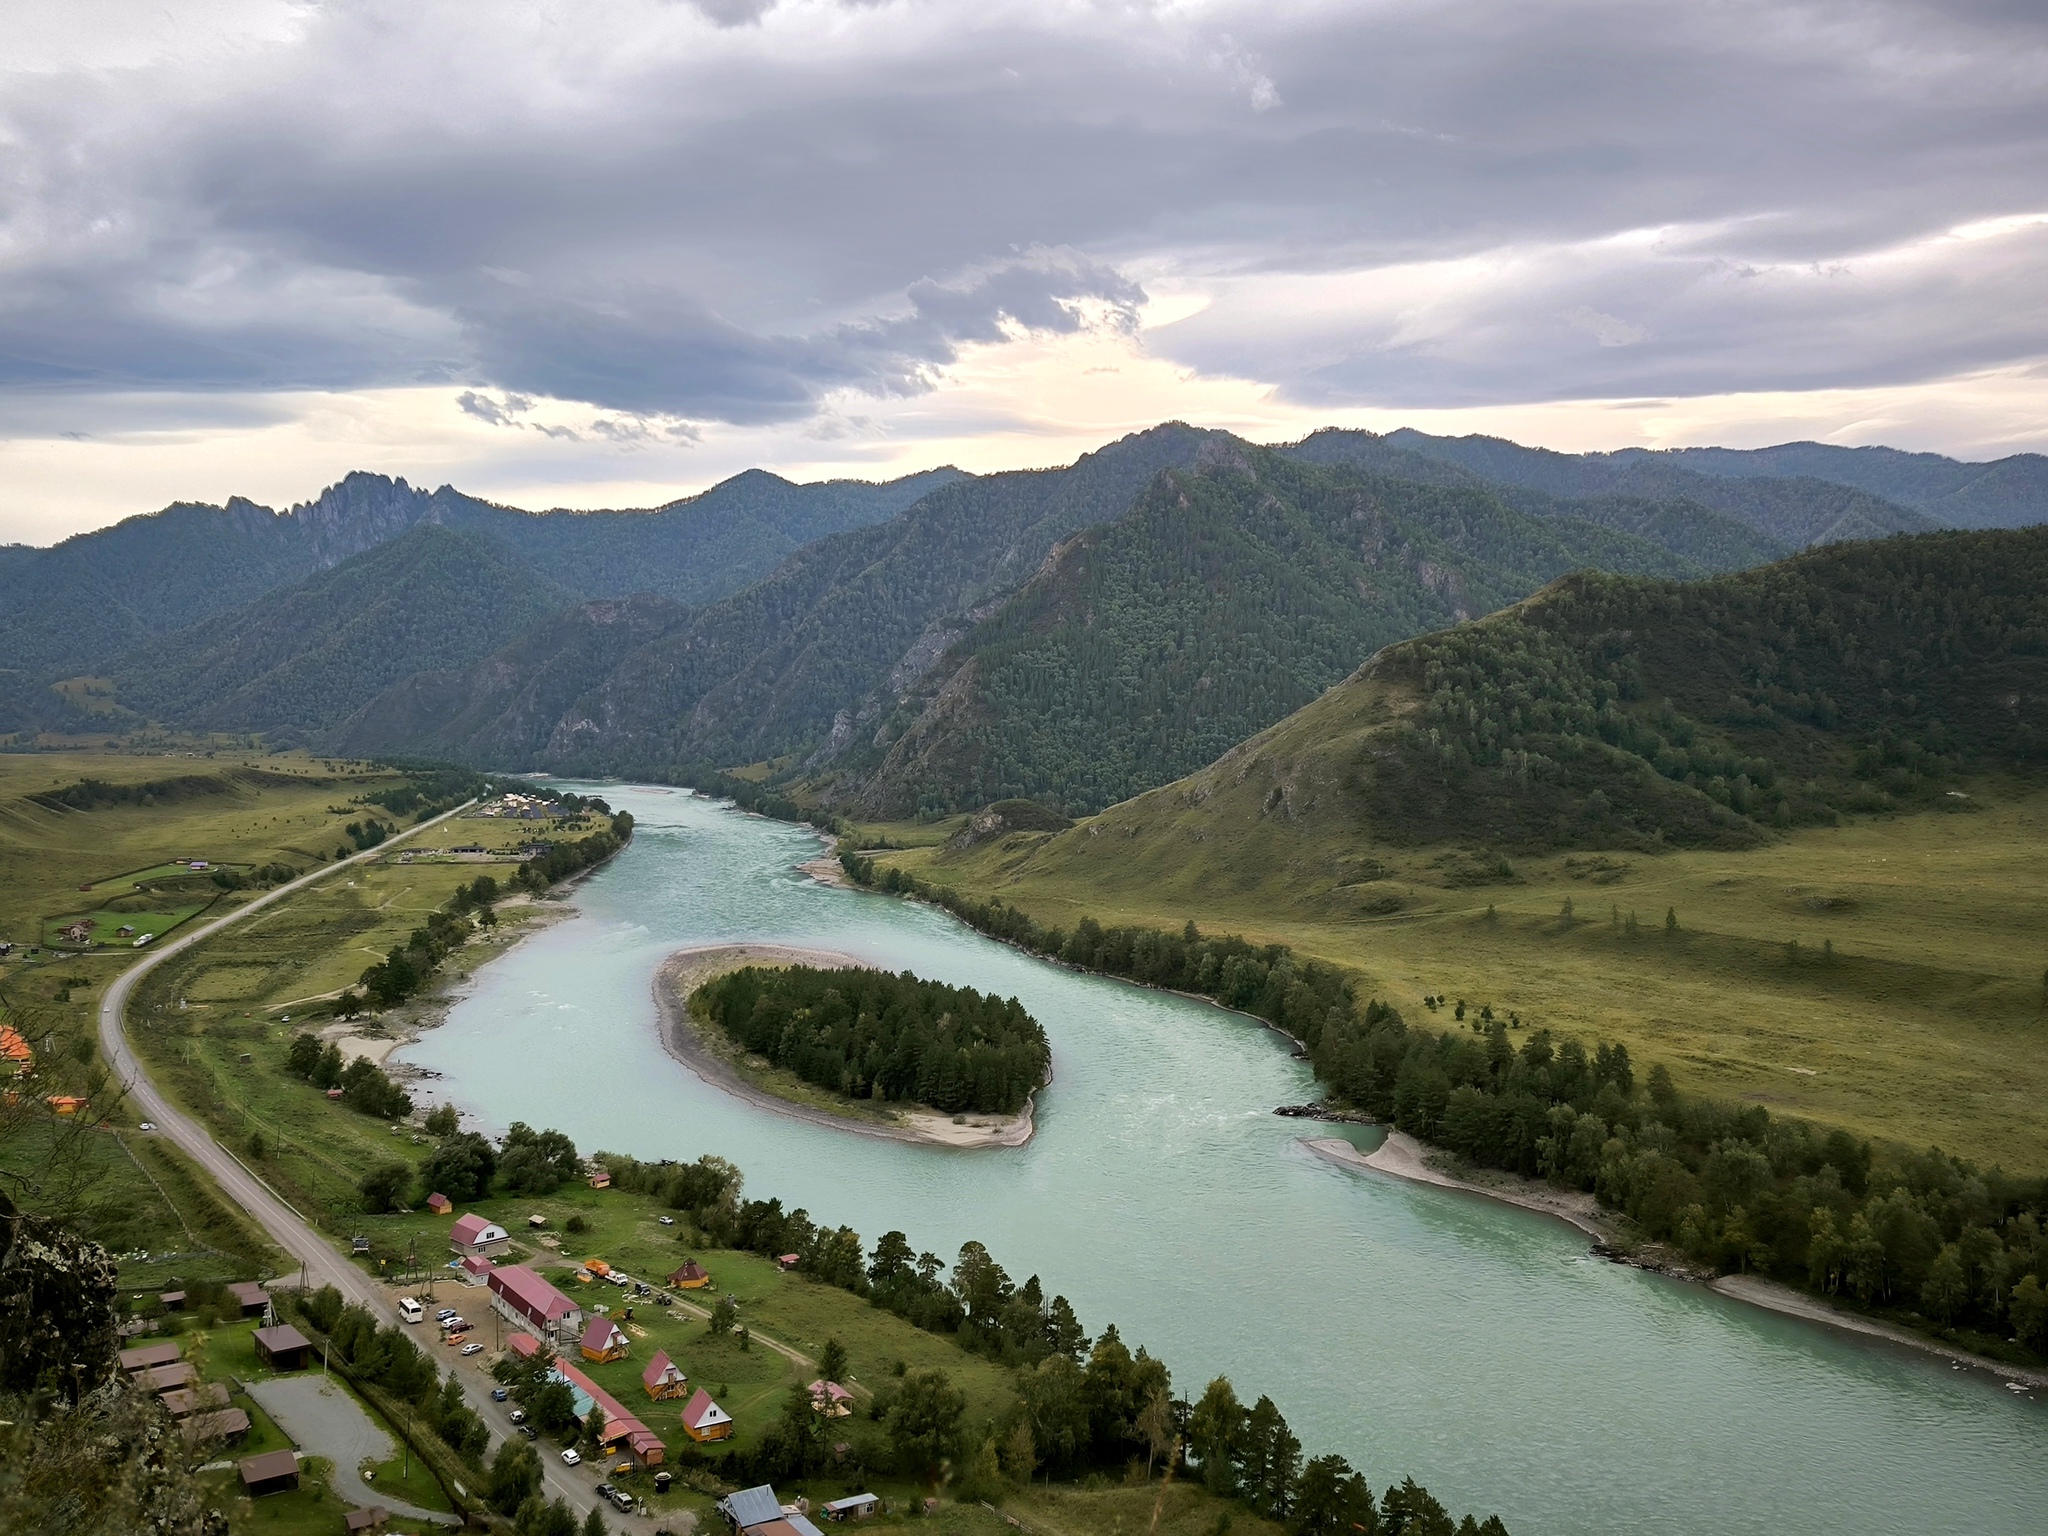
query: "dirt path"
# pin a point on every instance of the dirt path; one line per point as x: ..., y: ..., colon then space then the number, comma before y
x: 319, y: 1414
x: 688, y: 969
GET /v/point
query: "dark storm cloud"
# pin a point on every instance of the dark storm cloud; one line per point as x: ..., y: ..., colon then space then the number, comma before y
x: 724, y: 210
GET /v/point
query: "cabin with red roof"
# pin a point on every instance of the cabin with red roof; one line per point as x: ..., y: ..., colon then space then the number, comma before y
x: 663, y: 1378
x: 831, y: 1399
x: 604, y: 1341
x: 704, y: 1420
x: 440, y: 1204
x: 691, y: 1277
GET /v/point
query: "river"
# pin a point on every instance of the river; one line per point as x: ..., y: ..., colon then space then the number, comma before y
x: 1419, y: 1331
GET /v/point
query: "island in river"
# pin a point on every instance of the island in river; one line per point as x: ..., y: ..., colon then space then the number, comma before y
x: 712, y: 1055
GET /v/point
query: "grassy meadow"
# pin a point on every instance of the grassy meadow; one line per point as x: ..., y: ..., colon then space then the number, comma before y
x: 1910, y: 1010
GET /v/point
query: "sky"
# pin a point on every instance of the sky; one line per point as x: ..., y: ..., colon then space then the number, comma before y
x: 607, y: 252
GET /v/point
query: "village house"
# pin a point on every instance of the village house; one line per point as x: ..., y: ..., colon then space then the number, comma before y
x: 249, y: 1296
x: 440, y: 1204
x: 704, y: 1421
x: 228, y: 1426
x: 663, y: 1378
x: 186, y: 1401
x: 855, y: 1506
x: 147, y: 1357
x: 475, y: 1271
x: 272, y: 1472
x: 526, y: 1300
x: 622, y: 1431
x: 474, y: 1234
x: 375, y: 1518
x: 605, y: 1341
x: 831, y: 1399
x: 691, y: 1277
x: 167, y: 1378
x: 282, y: 1348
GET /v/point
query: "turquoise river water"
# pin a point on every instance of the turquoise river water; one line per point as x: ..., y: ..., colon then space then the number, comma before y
x: 1418, y: 1331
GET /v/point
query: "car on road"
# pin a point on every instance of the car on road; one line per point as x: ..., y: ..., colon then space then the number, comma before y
x: 472, y: 1349
x: 409, y: 1309
x: 518, y: 1414
x: 622, y: 1501
x: 571, y: 1459
x: 498, y: 1395
x: 147, y: 1125
x: 529, y: 1431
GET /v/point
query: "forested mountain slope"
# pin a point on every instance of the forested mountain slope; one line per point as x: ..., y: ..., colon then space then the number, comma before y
x: 777, y: 669
x: 1230, y: 595
x: 2011, y: 492
x: 70, y: 608
x: 299, y: 661
x: 1794, y: 511
x: 1618, y: 712
x: 504, y: 708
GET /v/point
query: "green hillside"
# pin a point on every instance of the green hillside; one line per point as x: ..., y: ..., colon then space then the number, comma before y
x: 298, y: 662
x: 1229, y: 596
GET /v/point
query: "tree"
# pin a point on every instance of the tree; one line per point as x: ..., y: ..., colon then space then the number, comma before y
x: 1333, y: 1500
x: 304, y: 1054
x: 593, y: 1426
x: 461, y: 1166
x: 1055, y: 1403
x: 1409, y: 1509
x: 982, y: 1481
x: 1020, y: 1452
x: 514, y: 1476
x: 1157, y: 1429
x: 593, y: 1523
x: 443, y: 1120
x: 2028, y: 1310
x: 537, y: 1162
x: 1946, y: 1290
x: 725, y: 1312
x: 384, y: 1186
x: 1216, y: 1435
x: 832, y: 1361
x: 924, y: 1421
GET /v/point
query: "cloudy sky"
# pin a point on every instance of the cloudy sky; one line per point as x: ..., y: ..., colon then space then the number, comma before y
x: 604, y: 252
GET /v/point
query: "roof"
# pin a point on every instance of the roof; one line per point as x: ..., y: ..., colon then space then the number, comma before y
x: 283, y: 1336
x: 603, y: 1333
x: 261, y: 1469
x: 248, y: 1292
x: 143, y: 1356
x: 524, y: 1345
x: 830, y: 1389
x: 477, y: 1264
x: 660, y: 1369
x: 521, y: 1285
x: 854, y: 1501
x: 365, y: 1519
x: 439, y: 1202
x: 164, y: 1378
x: 691, y: 1270
x: 218, y: 1425
x: 701, y: 1410
x: 474, y: 1229
x: 802, y: 1526
x: 752, y: 1506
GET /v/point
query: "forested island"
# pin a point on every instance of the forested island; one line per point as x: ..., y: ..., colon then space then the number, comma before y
x: 870, y: 1034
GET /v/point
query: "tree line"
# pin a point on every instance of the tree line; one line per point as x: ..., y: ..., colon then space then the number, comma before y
x: 1930, y: 1236
x: 870, y: 1034
x: 1082, y: 1405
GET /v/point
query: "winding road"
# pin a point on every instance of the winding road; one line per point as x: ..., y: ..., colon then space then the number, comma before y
x: 318, y: 1261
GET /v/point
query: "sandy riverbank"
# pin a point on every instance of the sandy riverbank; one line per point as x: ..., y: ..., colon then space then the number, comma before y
x: 687, y: 969
x: 827, y: 870
x: 1404, y: 1157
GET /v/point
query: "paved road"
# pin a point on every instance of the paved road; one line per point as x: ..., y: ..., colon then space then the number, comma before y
x: 319, y: 1263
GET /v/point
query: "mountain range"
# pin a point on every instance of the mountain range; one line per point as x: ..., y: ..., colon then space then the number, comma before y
x: 1074, y: 636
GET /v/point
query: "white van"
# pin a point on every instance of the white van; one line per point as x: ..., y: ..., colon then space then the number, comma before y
x: 410, y: 1310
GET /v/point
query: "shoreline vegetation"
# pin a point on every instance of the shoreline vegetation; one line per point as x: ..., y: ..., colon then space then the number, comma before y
x: 709, y: 1053
x: 1401, y: 1156
x: 1725, y: 1187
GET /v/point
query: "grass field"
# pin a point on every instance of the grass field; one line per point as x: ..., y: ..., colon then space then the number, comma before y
x: 1911, y: 1009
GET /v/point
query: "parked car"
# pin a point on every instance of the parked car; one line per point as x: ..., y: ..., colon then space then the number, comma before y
x: 621, y: 1500
x: 444, y: 1314
x: 409, y: 1309
x: 472, y: 1349
x: 147, y: 1125
x: 571, y: 1459
x: 604, y: 1490
x: 666, y: 1221
x: 518, y: 1415
x: 498, y: 1395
